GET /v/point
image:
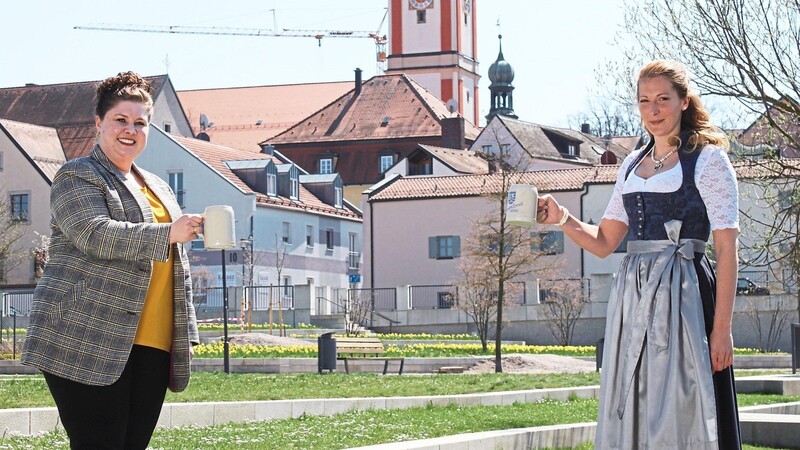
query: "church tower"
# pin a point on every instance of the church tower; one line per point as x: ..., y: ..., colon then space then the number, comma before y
x: 501, y: 74
x: 435, y: 43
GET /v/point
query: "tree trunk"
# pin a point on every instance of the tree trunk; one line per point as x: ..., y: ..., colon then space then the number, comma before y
x: 498, y: 335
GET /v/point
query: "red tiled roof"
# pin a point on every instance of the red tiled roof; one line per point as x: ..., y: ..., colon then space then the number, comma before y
x: 216, y: 155
x: 481, y: 184
x: 388, y: 107
x: 39, y: 143
x: 235, y: 112
x: 67, y: 107
x: 551, y: 180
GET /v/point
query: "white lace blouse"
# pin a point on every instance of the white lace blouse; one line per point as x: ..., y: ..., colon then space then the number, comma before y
x: 714, y: 177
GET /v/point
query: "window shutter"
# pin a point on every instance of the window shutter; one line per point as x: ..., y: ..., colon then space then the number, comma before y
x: 433, y: 247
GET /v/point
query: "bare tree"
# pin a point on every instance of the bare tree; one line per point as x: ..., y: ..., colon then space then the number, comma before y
x: 564, y: 305
x: 356, y: 310
x: 14, y: 227
x: 611, y: 109
x: 281, y: 249
x: 507, y: 252
x: 477, y: 289
x: 746, y: 51
x: 768, y: 325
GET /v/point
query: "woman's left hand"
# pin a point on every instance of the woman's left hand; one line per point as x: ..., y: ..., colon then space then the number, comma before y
x: 721, y: 346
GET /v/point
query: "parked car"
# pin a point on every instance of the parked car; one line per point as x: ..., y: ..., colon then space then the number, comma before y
x: 746, y: 287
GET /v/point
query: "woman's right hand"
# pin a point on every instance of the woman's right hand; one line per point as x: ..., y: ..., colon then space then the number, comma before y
x: 548, y: 211
x: 186, y: 228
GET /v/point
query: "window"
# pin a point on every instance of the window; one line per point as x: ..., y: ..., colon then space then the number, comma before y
x: 551, y: 243
x: 487, y: 149
x: 176, y: 184
x: 2, y: 269
x: 295, y: 184
x: 337, y: 192
x: 20, y: 207
x: 444, y: 247
x: 326, y: 165
x: 329, y: 239
x: 272, y: 183
x: 386, y: 162
x: 287, y: 287
x: 422, y: 16
x: 287, y: 233
x: 167, y: 127
x: 1, y: 161
x: 310, y: 235
x: 572, y: 149
x: 198, y: 244
x: 504, y: 149
x: 353, y: 256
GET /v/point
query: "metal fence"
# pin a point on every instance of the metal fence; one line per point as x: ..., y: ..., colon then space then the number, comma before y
x: 433, y: 296
x: 16, y: 303
x: 381, y: 299
x: 549, y: 288
x: 258, y: 297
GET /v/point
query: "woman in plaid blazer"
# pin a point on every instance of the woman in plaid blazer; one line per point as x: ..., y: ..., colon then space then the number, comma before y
x: 112, y: 322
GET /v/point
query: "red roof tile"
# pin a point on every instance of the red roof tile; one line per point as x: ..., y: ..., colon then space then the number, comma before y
x: 67, y: 107
x: 388, y: 107
x: 481, y: 184
x: 236, y: 112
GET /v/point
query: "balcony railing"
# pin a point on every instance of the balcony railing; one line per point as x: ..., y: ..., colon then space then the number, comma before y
x: 353, y: 260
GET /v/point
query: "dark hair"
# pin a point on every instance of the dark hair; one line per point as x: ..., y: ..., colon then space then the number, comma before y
x: 695, y: 118
x: 125, y: 86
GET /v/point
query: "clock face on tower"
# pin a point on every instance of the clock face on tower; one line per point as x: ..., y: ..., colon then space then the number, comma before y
x: 420, y: 4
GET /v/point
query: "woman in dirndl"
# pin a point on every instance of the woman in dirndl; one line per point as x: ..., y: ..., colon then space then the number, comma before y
x: 667, y: 380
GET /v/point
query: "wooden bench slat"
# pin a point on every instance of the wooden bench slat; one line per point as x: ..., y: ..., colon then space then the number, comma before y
x: 363, y: 347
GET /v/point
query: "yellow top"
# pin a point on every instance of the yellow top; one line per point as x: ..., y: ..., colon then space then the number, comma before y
x: 155, y: 325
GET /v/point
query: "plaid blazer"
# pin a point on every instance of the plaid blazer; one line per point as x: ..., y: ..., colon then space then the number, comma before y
x: 87, y: 305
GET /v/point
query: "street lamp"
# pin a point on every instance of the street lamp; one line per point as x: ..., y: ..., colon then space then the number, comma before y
x: 218, y: 234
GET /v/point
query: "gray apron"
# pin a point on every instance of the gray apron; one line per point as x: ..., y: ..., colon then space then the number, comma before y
x: 656, y: 387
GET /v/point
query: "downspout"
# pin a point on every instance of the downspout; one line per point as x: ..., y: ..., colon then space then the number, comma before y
x: 371, y: 248
x: 585, y: 192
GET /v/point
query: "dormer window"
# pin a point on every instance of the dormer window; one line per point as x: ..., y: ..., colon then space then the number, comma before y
x: 326, y: 165
x: 337, y: 197
x: 272, y: 181
x: 387, y: 161
x: 572, y: 149
x: 294, y: 183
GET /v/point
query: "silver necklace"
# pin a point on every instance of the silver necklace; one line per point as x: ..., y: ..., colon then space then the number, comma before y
x: 659, y: 163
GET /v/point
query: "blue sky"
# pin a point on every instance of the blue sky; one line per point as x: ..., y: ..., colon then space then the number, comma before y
x: 554, y: 46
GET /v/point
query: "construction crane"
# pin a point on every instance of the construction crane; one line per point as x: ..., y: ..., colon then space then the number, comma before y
x: 380, y: 40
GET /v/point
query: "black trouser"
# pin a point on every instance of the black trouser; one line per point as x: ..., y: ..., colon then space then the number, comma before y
x: 122, y: 415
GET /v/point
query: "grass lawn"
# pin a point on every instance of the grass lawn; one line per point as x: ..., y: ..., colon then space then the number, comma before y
x: 363, y: 427
x: 31, y: 391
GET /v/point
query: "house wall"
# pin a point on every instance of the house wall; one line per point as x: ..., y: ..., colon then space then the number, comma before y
x: 301, y: 262
x: 399, y: 245
x: 167, y: 109
x: 18, y: 175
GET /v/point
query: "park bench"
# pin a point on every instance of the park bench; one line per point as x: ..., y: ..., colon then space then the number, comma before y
x: 364, y: 349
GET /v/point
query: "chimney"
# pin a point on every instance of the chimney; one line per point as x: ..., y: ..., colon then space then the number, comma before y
x: 453, y: 132
x: 358, y: 81
x: 268, y: 149
x: 585, y: 128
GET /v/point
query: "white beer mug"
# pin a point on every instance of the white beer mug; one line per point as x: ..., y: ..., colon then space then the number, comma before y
x: 521, y: 206
x: 219, y: 227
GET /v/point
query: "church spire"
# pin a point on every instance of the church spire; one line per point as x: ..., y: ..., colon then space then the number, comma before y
x: 501, y: 74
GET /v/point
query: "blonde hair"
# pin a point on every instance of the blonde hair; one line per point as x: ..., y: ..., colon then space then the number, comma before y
x: 695, y: 119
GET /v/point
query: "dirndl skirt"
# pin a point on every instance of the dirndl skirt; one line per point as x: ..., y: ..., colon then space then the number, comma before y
x: 657, y: 390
